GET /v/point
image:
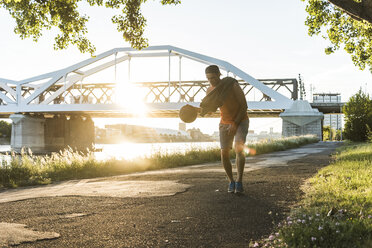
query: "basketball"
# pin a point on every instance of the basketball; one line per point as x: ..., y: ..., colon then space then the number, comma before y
x: 188, y: 113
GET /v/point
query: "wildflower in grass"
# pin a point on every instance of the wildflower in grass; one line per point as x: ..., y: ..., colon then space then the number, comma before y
x: 299, y: 221
x: 271, y: 237
x: 303, y: 221
x: 338, y: 229
x: 256, y: 245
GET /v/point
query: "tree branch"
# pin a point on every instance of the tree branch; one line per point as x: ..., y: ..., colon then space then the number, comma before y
x: 358, y: 10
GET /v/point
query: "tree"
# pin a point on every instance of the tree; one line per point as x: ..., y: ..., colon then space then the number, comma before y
x: 5, y: 129
x: 326, y: 133
x: 349, y: 26
x: 34, y: 16
x: 358, y: 117
x: 331, y: 133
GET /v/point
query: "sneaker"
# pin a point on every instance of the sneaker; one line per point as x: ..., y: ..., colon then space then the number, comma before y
x: 239, y: 188
x: 231, y: 188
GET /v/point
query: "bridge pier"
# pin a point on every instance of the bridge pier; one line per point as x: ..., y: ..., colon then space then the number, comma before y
x: 27, y: 131
x: 42, y: 134
x: 301, y: 119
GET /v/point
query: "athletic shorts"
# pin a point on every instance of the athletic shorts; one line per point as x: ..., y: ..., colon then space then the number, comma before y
x: 226, y: 140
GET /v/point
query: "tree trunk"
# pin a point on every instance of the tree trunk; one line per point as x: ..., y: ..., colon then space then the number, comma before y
x: 359, y: 11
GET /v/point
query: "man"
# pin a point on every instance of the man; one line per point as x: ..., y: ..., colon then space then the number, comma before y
x: 227, y: 95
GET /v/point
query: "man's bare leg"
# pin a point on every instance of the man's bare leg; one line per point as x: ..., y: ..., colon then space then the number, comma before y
x: 225, y: 158
x: 240, y: 161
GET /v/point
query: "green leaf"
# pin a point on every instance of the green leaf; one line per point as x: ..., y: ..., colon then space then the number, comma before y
x: 342, y: 31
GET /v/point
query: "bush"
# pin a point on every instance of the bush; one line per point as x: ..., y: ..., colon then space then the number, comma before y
x: 358, y: 117
x: 335, y: 134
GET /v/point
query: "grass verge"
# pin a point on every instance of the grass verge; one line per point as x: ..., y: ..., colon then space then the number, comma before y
x: 337, y: 208
x: 28, y: 169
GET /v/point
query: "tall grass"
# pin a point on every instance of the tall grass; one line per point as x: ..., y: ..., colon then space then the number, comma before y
x: 28, y: 169
x: 337, y: 208
x: 267, y: 146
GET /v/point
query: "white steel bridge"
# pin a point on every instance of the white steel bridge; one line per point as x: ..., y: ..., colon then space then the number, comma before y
x: 68, y: 91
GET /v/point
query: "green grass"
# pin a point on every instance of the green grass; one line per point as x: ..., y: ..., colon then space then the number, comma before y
x: 28, y: 169
x: 337, y: 208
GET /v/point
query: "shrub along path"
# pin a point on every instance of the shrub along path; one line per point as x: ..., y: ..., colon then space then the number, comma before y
x: 180, y: 207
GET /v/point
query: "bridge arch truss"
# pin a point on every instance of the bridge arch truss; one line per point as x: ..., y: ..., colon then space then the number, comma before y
x: 65, y: 91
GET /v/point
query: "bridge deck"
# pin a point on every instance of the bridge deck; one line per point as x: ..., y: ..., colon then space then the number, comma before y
x: 163, y: 110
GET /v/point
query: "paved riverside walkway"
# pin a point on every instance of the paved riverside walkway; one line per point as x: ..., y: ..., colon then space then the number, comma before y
x: 180, y: 207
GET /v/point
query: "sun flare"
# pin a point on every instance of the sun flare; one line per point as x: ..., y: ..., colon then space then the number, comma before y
x: 131, y: 98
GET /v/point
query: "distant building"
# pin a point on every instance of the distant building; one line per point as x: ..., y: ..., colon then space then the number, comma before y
x: 332, y: 120
x: 197, y: 135
x: 173, y: 135
x: 120, y: 132
x: 182, y: 126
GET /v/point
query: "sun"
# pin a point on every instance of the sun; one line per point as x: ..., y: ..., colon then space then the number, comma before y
x: 130, y: 98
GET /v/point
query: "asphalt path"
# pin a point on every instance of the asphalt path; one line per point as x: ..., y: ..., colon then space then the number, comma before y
x: 181, y: 207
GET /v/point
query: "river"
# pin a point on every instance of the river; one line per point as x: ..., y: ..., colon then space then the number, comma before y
x: 135, y: 150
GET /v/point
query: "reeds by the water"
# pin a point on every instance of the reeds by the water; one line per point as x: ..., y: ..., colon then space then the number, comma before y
x: 28, y: 169
x: 267, y: 146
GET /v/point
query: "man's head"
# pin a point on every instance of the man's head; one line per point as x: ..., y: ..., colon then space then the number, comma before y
x: 213, y: 74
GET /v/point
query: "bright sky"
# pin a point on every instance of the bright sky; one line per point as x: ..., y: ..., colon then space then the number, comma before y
x: 266, y: 39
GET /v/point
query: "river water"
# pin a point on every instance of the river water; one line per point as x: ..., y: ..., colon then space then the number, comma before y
x: 135, y: 150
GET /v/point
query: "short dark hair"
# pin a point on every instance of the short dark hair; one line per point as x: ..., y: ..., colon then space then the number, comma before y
x: 212, y: 69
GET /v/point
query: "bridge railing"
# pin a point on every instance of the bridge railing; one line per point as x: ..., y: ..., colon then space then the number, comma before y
x: 154, y: 92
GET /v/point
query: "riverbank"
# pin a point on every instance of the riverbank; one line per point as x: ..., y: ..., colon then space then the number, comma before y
x: 29, y: 169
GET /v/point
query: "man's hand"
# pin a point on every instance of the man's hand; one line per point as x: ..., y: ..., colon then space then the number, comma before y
x: 197, y: 108
x: 232, y: 129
